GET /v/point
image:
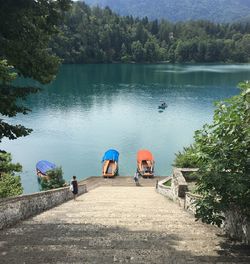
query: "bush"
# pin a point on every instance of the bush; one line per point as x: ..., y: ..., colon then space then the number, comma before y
x: 187, y: 158
x: 55, y: 180
x: 10, y: 183
x: 224, y: 149
x: 221, y: 151
x: 168, y: 183
x: 191, y: 176
x: 10, y: 186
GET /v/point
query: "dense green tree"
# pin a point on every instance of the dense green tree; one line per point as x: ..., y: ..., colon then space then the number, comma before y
x: 138, y: 51
x: 165, y: 30
x: 54, y: 180
x: 222, y: 152
x: 9, y: 105
x: 95, y: 35
x: 141, y: 34
x: 182, y: 52
x: 187, y: 158
x: 224, y: 149
x: 25, y: 31
x: 152, y: 50
x: 26, y: 27
x: 125, y: 57
x: 244, y: 45
x: 10, y: 183
x: 154, y: 27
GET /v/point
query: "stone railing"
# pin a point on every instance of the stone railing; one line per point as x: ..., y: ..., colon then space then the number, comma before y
x: 235, y: 225
x: 178, y: 186
x: 13, y: 210
x: 189, y: 202
x: 165, y: 190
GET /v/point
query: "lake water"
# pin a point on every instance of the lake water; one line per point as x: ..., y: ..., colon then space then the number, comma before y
x: 91, y: 108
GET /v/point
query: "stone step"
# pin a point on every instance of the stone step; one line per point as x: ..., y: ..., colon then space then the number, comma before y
x: 116, y: 225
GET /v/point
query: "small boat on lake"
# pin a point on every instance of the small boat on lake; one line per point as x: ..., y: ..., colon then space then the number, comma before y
x: 145, y: 163
x: 110, y: 163
x: 163, y: 105
x: 42, y: 167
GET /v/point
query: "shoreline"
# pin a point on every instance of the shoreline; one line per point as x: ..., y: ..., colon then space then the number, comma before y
x: 157, y: 62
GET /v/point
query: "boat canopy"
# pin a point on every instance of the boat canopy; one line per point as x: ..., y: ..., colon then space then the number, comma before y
x: 43, y: 166
x: 111, y: 154
x: 144, y: 155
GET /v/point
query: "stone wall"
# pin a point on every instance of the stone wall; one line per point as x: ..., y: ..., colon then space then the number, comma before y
x: 235, y: 225
x: 179, y: 184
x: 177, y: 190
x: 165, y: 190
x: 13, y: 210
x: 189, y: 203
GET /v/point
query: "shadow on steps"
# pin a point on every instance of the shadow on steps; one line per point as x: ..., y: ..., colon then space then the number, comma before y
x: 87, y: 243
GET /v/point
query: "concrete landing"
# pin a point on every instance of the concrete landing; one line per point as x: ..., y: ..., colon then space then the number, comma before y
x: 117, y: 225
x: 96, y: 181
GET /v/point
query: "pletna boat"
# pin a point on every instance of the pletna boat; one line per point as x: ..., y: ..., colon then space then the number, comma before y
x: 145, y: 163
x: 110, y: 163
x: 42, y: 167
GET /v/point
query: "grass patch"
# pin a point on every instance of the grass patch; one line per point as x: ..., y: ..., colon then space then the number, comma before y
x: 167, y: 183
x: 190, y: 176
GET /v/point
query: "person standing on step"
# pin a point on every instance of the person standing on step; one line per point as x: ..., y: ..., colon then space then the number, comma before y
x: 136, y: 178
x: 74, y: 187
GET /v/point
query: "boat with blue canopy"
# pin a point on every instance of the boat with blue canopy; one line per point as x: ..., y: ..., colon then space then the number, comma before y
x: 43, y: 166
x: 110, y: 163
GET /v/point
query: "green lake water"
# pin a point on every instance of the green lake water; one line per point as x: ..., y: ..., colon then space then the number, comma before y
x: 91, y: 108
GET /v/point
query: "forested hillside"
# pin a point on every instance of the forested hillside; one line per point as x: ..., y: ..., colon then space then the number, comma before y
x: 180, y: 10
x: 95, y: 35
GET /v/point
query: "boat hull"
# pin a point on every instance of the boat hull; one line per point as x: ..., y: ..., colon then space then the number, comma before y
x: 109, y: 169
x: 162, y: 107
x: 146, y: 168
x: 41, y: 176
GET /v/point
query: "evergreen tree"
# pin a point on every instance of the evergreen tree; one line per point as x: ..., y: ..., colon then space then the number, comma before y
x: 25, y: 31
x: 97, y: 35
x: 138, y: 51
x: 26, y: 28
x: 55, y: 180
x: 10, y: 183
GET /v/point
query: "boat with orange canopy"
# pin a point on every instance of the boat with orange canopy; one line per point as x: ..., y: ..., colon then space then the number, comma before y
x: 145, y: 163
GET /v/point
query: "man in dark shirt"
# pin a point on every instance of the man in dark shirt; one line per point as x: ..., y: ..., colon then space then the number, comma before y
x: 74, y: 187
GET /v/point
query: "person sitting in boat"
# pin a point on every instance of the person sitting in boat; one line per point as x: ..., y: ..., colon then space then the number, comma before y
x: 163, y: 104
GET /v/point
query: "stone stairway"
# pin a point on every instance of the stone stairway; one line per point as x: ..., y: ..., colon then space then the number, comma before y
x: 117, y: 225
x: 126, y: 181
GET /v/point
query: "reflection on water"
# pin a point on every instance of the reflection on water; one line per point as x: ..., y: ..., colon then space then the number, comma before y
x: 91, y: 108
